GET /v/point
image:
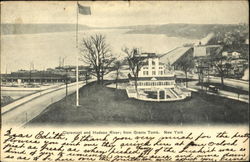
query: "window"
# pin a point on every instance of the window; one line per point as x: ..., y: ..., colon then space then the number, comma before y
x: 145, y: 72
x: 153, y: 63
x: 160, y: 72
x: 153, y: 72
x: 153, y: 67
x: 160, y: 67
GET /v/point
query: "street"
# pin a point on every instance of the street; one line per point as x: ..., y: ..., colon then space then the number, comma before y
x: 244, y: 85
x: 241, y: 97
x: 26, y: 112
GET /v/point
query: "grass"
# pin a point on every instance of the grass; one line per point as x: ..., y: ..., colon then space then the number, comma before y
x: 102, y: 105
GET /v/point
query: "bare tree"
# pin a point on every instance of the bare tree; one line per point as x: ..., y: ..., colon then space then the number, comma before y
x: 96, y: 53
x: 117, y: 67
x: 135, y: 62
x: 186, y: 64
x: 86, y: 74
x: 220, y: 62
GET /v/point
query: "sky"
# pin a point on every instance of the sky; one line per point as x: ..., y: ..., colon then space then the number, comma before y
x: 120, y: 13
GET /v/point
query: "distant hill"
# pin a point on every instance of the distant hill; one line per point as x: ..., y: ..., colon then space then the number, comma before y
x: 38, y: 28
x: 193, y: 31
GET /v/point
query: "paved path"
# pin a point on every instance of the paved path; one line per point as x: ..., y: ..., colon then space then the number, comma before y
x: 30, y: 109
x: 244, y: 85
x: 231, y: 95
x: 27, y: 98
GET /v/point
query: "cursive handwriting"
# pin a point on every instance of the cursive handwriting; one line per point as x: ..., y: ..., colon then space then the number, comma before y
x: 124, y: 146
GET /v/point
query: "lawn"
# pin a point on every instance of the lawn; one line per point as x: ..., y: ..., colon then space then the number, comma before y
x: 102, y: 105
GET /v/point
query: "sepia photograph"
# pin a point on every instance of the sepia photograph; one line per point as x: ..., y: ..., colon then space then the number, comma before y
x: 77, y: 64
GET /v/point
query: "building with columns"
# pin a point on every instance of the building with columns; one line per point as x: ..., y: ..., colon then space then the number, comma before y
x: 155, y: 81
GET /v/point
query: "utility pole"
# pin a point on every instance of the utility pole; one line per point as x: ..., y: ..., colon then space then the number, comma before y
x: 66, y: 83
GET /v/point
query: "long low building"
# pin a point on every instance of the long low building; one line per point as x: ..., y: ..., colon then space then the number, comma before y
x: 48, y: 76
x: 32, y: 79
x: 174, y: 56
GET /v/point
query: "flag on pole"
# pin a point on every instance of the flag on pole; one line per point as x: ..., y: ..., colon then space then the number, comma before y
x: 84, y: 10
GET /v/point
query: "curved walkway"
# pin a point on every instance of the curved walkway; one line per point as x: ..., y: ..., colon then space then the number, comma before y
x: 240, y: 97
x: 20, y: 112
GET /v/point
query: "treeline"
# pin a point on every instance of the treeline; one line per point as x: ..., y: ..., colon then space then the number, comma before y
x: 233, y: 40
x: 192, y: 31
x: 7, y: 29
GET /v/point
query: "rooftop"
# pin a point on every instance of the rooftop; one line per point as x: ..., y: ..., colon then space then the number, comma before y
x: 148, y: 55
x: 173, y: 55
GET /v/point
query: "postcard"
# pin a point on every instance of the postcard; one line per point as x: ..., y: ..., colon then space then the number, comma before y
x: 124, y: 81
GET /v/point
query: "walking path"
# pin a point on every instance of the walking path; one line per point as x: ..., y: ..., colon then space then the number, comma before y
x: 23, y: 100
x: 244, y: 85
x: 24, y: 110
x: 241, y: 97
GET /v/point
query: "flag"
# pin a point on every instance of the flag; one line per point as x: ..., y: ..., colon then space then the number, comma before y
x: 85, y: 10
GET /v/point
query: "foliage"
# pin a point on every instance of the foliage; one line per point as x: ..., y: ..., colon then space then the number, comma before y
x: 233, y: 40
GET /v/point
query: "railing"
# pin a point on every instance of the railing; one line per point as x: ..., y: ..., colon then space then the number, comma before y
x: 141, y: 96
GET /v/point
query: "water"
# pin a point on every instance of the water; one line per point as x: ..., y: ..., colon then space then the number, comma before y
x: 44, y: 50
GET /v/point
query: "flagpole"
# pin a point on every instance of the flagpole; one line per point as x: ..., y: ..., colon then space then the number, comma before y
x: 77, y: 63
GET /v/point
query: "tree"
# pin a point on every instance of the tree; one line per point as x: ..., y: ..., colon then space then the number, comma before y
x: 203, y: 65
x: 135, y: 62
x: 117, y: 67
x: 96, y: 53
x: 233, y: 39
x: 186, y: 64
x: 228, y: 67
x: 220, y: 63
x: 87, y: 73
